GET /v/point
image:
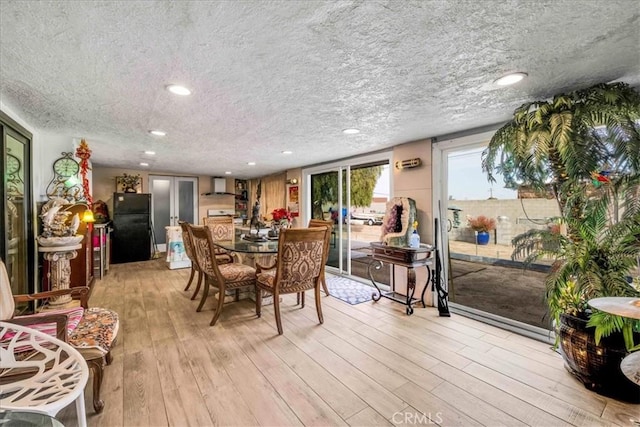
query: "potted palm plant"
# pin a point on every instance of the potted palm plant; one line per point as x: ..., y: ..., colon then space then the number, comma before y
x: 584, y: 145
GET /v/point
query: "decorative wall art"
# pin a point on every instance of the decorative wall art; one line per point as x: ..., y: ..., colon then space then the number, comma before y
x: 294, y: 202
x: 129, y: 183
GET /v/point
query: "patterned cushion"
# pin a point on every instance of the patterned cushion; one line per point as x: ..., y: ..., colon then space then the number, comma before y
x: 236, y: 272
x: 96, y: 333
x: 221, y: 231
x: 203, y: 254
x: 73, y: 318
x: 302, y: 264
x: 267, y: 279
x: 188, y: 245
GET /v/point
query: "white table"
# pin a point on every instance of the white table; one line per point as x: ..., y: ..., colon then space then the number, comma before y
x: 625, y: 307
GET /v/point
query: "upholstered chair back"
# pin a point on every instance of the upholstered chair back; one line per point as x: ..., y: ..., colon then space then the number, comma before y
x: 186, y: 239
x: 220, y: 227
x: 203, y: 252
x: 300, y: 259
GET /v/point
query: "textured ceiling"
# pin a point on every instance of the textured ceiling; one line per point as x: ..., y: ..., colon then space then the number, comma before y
x: 269, y: 76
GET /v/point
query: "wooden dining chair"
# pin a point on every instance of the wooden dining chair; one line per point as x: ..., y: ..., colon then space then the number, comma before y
x: 221, y: 228
x: 329, y: 224
x: 189, y: 249
x: 226, y: 276
x: 299, y: 266
x: 222, y: 257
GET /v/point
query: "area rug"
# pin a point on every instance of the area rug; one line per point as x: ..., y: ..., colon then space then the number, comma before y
x: 349, y: 290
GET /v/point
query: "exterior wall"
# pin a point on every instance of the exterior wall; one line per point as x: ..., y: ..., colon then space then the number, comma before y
x: 513, y: 217
x: 297, y: 174
x: 415, y: 183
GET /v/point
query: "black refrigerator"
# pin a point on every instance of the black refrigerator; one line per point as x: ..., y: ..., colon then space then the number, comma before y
x: 131, y: 237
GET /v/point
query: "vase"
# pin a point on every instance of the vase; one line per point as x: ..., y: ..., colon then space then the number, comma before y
x: 483, y: 238
x: 596, y: 366
x: 129, y: 190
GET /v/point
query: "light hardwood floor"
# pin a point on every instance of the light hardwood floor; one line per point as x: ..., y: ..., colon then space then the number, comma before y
x: 368, y: 365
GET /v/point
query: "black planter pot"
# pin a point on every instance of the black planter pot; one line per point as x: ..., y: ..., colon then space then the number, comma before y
x: 596, y: 366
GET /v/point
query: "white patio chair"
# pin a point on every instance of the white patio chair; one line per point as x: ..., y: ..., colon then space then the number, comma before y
x: 40, y: 373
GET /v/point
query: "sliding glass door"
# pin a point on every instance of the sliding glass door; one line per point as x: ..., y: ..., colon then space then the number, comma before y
x: 16, y: 228
x: 482, y: 279
x: 354, y: 196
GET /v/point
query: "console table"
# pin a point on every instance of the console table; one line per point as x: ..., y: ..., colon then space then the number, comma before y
x: 410, y: 258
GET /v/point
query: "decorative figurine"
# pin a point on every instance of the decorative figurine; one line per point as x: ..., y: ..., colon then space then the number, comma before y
x: 255, y: 213
x: 57, y: 230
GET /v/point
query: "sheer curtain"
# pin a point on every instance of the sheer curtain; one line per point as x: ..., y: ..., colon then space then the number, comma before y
x: 274, y: 193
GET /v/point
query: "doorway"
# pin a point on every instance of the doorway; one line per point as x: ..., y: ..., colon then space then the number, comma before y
x: 174, y: 198
x: 354, y: 195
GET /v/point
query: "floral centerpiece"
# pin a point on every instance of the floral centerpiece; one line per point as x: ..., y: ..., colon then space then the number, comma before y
x: 282, y: 217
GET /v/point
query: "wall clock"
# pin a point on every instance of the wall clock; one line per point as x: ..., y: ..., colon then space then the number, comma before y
x: 13, y: 164
x: 65, y: 183
x: 66, y: 166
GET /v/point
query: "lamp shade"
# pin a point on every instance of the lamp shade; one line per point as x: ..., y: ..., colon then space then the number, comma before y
x: 88, y: 216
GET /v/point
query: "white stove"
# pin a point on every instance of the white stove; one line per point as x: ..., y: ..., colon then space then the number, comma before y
x: 220, y: 212
x: 225, y: 212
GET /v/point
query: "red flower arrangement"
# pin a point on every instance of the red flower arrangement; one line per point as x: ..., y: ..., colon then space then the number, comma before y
x: 281, y: 215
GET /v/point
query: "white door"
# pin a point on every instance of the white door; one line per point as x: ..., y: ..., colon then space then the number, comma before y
x: 174, y: 198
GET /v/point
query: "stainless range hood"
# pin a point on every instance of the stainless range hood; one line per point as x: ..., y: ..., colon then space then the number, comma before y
x: 218, y: 186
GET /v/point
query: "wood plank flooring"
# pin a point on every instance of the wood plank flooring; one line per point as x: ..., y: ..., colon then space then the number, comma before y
x: 367, y: 365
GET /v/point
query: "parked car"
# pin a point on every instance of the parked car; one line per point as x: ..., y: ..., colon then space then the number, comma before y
x: 368, y: 218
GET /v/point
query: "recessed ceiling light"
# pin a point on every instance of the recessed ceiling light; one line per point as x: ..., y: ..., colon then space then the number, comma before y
x: 144, y: 164
x: 150, y: 153
x: 287, y: 152
x: 251, y: 163
x: 227, y: 173
x: 510, y: 79
x: 351, y: 131
x: 157, y: 132
x: 178, y: 90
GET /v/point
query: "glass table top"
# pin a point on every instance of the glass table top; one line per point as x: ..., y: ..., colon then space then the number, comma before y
x: 10, y: 418
x: 248, y: 246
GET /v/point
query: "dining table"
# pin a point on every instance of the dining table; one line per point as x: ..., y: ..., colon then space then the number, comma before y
x: 252, y: 252
x: 242, y: 245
